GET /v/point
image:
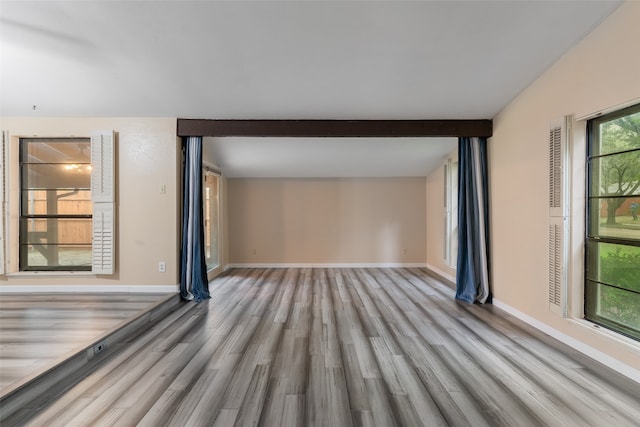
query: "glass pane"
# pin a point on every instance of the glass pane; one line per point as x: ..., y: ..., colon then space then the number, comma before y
x: 616, y: 175
x: 70, y: 231
x: 617, y: 265
x: 614, y: 307
x: 44, y: 176
x: 619, y: 134
x: 56, y: 151
x: 52, y: 257
x: 56, y: 202
x: 615, y: 217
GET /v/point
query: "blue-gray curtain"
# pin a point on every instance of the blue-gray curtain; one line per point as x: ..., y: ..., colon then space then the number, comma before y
x: 194, y: 284
x: 472, y: 275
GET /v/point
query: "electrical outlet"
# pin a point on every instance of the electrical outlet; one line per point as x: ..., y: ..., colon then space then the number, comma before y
x: 99, y: 348
x: 162, y: 267
x: 404, y: 251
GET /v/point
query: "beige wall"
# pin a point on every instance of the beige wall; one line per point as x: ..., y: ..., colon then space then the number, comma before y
x: 148, y: 155
x: 314, y: 221
x: 597, y: 74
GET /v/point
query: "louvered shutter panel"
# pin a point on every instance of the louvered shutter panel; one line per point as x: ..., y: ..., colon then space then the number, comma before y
x: 555, y: 262
x: 102, y: 162
x: 3, y: 207
x: 555, y: 170
x: 103, y: 198
x: 558, y: 257
x: 103, y: 238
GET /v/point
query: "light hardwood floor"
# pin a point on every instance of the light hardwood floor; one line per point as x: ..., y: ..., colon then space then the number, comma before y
x: 343, y: 347
x: 38, y: 329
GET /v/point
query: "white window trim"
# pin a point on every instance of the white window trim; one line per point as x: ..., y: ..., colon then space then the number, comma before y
x: 576, y: 190
x: 448, y: 212
x: 208, y: 167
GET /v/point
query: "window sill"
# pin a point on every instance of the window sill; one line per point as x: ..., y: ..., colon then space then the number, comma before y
x: 31, y: 274
x: 622, y: 339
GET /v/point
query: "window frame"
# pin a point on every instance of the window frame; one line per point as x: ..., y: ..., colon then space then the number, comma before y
x: 450, y: 212
x: 209, y: 170
x: 24, y: 215
x: 593, y: 239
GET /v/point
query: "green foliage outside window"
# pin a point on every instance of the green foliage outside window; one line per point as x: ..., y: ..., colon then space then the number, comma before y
x: 620, y: 266
x: 620, y: 174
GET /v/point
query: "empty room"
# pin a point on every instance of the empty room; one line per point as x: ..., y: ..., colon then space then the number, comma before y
x: 319, y: 213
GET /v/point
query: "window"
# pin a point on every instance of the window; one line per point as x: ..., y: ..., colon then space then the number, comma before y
x: 451, y: 212
x: 211, y: 217
x: 65, y: 207
x: 612, y: 293
x: 55, y: 204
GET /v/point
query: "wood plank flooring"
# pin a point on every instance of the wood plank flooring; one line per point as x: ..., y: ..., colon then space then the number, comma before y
x: 38, y: 329
x: 343, y: 347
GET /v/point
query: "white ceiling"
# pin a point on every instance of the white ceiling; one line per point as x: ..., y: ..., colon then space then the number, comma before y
x: 281, y: 59
x: 328, y: 157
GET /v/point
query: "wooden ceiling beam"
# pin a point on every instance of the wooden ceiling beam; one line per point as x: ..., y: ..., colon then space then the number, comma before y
x: 335, y: 128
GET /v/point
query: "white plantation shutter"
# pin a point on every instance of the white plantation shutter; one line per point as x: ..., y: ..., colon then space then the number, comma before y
x: 3, y: 207
x: 555, y: 262
x: 555, y: 171
x: 103, y: 238
x: 558, y: 215
x: 102, y: 162
x: 103, y: 199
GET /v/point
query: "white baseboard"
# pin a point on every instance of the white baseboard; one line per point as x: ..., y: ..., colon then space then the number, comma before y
x: 441, y: 273
x: 605, y: 359
x: 326, y: 265
x: 87, y: 289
